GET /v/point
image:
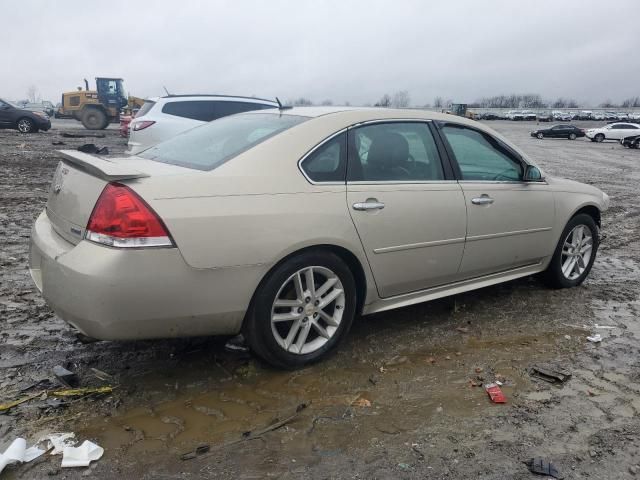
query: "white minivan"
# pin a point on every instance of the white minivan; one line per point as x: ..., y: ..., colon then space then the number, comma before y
x: 161, y: 118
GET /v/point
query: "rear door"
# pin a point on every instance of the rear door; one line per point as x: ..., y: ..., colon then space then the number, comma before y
x: 408, y: 210
x: 509, y: 222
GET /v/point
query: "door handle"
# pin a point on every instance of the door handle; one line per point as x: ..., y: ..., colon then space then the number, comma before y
x: 368, y: 205
x: 482, y: 200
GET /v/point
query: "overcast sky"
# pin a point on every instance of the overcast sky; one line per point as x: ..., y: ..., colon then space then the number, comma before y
x: 354, y: 50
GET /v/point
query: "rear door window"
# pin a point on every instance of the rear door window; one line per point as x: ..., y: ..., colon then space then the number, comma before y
x: 393, y: 152
x: 193, y: 109
x: 208, y: 110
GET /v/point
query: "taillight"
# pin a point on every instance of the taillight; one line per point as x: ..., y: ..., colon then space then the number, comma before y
x: 142, y: 124
x: 121, y: 218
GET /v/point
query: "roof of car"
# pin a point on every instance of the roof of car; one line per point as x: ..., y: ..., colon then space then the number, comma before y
x: 196, y: 96
x: 371, y: 112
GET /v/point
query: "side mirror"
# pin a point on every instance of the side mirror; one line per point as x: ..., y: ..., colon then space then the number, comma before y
x: 533, y: 174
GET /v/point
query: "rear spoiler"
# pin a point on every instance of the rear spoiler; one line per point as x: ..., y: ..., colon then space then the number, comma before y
x: 101, y: 167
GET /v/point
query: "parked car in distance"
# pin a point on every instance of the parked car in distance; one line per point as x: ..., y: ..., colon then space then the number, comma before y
x: 613, y: 131
x: 529, y: 115
x: 632, y: 141
x: 598, y: 116
x: 559, y: 116
x: 559, y: 131
x: 514, y: 115
x: 22, y: 119
x: 584, y: 115
x: 544, y: 117
x: 254, y: 223
x: 161, y: 118
x: 40, y: 107
x: 489, y: 116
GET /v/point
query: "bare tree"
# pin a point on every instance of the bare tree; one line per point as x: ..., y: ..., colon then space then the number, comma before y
x: 326, y: 102
x: 301, y: 102
x: 631, y: 102
x: 385, y: 101
x: 401, y: 99
x: 32, y: 94
x: 607, y: 104
x: 437, y: 102
x: 559, y: 103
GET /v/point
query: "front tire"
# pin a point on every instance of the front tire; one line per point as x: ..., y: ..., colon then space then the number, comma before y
x: 574, y: 254
x: 94, y: 119
x: 26, y: 125
x: 302, y: 311
x: 572, y: 136
x: 540, y: 136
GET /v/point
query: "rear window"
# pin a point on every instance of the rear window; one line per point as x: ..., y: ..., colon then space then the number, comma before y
x: 208, y: 110
x: 148, y: 105
x: 209, y: 146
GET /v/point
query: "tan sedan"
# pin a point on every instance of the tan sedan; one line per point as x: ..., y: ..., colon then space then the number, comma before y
x: 285, y: 224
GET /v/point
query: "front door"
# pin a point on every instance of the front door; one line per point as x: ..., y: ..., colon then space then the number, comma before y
x: 6, y: 114
x: 509, y: 222
x: 409, y: 212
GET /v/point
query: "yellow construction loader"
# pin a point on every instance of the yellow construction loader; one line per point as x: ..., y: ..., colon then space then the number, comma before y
x: 97, y: 108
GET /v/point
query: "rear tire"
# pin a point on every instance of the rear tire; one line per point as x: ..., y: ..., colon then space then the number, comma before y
x: 599, y: 137
x: 636, y: 144
x: 572, y: 136
x: 289, y: 325
x: 574, y: 254
x: 26, y: 125
x: 94, y: 119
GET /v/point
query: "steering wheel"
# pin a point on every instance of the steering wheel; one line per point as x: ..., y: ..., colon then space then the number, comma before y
x: 401, y: 171
x: 502, y: 174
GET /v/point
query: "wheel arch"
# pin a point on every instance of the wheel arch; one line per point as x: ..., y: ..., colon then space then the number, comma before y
x: 590, y: 209
x: 351, y: 260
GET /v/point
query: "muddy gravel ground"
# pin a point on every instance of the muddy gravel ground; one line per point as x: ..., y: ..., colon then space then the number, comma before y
x: 402, y: 397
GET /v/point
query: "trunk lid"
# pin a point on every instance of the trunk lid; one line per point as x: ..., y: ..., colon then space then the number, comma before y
x: 77, y: 183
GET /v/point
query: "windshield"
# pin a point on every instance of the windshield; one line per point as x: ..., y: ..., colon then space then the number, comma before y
x: 120, y: 88
x: 209, y: 146
x: 10, y: 103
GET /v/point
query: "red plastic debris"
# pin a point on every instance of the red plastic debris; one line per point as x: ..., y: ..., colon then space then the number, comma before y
x: 495, y: 393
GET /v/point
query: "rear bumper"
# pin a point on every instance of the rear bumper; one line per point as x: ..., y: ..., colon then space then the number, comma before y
x: 115, y: 294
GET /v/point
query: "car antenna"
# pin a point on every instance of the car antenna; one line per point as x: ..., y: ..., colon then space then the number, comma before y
x: 282, y: 107
x: 165, y: 89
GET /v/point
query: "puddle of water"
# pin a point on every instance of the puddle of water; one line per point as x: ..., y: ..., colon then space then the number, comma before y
x: 405, y: 391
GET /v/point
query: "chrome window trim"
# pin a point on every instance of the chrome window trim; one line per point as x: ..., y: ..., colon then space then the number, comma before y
x: 401, y: 182
x: 390, y: 120
x: 505, y: 182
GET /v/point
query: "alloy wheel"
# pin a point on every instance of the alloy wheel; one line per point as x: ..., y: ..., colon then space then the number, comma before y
x: 24, y: 126
x: 307, y: 310
x: 576, y: 252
